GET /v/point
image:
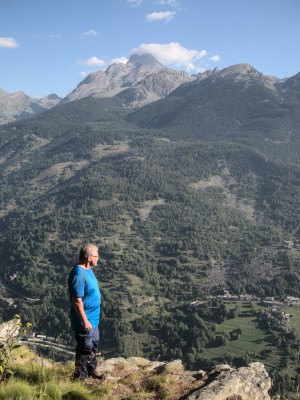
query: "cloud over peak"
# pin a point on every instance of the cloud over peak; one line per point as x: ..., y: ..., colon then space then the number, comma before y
x: 120, y: 60
x: 8, y: 42
x: 173, y: 54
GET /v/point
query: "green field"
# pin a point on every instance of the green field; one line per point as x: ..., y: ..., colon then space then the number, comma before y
x: 252, y: 340
x: 295, y: 316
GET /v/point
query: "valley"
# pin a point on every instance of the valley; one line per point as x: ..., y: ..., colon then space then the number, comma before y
x: 183, y: 202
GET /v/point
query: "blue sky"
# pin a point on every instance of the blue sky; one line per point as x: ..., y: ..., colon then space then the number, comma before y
x: 49, y: 46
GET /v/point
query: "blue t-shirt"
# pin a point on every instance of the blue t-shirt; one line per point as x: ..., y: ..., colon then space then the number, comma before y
x: 83, y: 283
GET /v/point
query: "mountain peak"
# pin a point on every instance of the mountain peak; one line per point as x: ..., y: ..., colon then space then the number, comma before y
x: 247, y: 72
x: 146, y: 59
x: 241, y: 69
x: 53, y: 96
x: 142, y: 80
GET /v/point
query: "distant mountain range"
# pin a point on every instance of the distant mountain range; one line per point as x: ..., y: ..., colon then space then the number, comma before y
x: 19, y: 106
x: 143, y: 80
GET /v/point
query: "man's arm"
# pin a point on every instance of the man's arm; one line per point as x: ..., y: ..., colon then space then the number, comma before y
x: 78, y: 306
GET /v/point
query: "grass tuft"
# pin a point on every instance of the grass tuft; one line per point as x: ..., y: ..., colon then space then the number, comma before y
x: 75, y: 395
x: 16, y: 390
x: 52, y: 391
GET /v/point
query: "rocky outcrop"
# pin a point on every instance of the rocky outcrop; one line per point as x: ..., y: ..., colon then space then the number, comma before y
x: 224, y: 383
x: 220, y: 383
x: 165, y: 380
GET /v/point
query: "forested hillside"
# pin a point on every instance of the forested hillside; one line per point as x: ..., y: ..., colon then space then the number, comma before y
x: 186, y: 197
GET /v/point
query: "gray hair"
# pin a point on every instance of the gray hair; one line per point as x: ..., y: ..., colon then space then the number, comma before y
x: 86, y: 251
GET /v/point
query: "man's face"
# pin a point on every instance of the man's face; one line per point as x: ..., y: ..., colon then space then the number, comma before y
x: 93, y: 258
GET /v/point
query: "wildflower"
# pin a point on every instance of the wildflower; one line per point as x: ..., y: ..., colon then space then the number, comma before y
x: 17, y: 316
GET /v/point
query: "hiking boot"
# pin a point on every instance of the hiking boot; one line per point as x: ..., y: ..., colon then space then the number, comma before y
x: 78, y: 377
x: 94, y: 375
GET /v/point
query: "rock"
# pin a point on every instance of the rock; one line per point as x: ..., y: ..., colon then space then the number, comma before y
x: 116, y: 368
x: 220, y: 383
x: 246, y: 383
x: 9, y: 329
x: 219, y: 369
x: 174, y: 367
x: 155, y: 365
x: 139, y: 361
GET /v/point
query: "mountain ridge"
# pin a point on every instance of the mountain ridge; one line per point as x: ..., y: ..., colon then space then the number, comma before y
x: 141, y: 81
x: 236, y: 103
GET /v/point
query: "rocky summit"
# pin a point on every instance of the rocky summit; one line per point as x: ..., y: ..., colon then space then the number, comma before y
x: 141, y: 80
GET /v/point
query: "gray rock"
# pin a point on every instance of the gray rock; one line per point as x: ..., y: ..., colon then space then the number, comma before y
x: 9, y: 329
x: 246, y: 383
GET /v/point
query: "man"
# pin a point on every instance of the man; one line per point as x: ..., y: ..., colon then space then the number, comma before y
x: 85, y: 311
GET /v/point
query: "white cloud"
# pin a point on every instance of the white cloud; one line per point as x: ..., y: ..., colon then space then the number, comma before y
x: 120, y: 60
x: 55, y: 36
x: 173, y: 54
x: 172, y: 3
x: 92, y: 32
x: 134, y: 3
x: 160, y: 16
x: 8, y: 42
x: 215, y: 58
x: 83, y: 74
x: 92, y: 62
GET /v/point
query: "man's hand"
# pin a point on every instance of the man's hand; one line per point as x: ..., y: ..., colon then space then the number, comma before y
x: 87, y: 325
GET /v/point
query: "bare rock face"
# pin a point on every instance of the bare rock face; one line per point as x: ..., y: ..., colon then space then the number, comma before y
x: 9, y: 329
x: 246, y: 383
